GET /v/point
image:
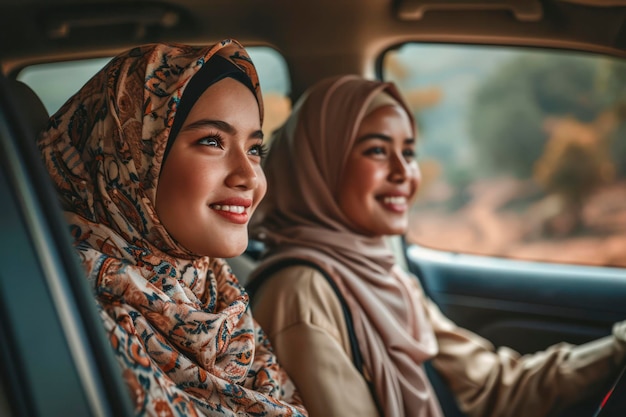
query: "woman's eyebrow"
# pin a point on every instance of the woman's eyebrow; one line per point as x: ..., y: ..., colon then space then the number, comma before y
x: 380, y: 136
x: 221, y: 125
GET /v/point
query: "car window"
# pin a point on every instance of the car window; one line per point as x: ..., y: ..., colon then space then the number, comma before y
x: 55, y: 82
x: 522, y: 151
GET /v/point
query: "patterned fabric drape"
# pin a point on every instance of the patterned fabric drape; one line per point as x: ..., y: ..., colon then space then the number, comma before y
x: 179, y: 324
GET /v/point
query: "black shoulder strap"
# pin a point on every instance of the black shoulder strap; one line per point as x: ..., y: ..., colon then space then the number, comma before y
x: 253, y: 286
x: 357, y: 359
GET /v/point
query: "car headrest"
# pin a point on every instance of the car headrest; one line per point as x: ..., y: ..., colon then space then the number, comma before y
x: 31, y: 108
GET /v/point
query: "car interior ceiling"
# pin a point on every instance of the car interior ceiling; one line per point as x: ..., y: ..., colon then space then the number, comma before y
x: 354, y: 32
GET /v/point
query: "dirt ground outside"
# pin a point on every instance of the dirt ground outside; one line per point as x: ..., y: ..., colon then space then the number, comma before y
x: 510, y: 218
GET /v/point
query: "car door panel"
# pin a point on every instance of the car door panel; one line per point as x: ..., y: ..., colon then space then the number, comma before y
x: 523, y: 305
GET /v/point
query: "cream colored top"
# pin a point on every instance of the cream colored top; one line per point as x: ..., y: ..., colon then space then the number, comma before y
x: 304, y: 319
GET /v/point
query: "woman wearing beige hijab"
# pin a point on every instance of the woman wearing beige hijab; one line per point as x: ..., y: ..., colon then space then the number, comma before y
x: 351, y: 328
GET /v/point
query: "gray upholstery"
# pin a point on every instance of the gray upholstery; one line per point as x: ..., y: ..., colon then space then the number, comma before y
x: 32, y: 110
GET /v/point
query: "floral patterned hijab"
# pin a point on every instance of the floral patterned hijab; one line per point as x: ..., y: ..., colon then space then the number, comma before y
x: 179, y: 323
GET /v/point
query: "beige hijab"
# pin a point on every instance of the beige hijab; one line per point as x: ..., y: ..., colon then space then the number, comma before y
x: 300, y: 218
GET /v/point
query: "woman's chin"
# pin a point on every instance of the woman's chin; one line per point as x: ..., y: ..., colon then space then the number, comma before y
x: 228, y: 250
x: 233, y: 251
x: 396, y: 229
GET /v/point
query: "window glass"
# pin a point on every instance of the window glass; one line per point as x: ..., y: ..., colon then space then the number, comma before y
x: 522, y: 151
x: 56, y: 82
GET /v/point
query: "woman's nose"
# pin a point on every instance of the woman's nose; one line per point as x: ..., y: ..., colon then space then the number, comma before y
x: 399, y: 168
x: 242, y: 173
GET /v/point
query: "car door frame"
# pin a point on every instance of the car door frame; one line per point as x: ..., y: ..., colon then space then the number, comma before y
x: 56, y: 358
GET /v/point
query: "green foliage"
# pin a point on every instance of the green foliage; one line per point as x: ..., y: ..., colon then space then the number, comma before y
x: 574, y: 163
x: 618, y: 149
x: 508, y: 111
x: 614, y: 83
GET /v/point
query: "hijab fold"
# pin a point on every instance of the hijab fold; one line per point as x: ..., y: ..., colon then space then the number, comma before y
x: 300, y: 218
x: 179, y: 323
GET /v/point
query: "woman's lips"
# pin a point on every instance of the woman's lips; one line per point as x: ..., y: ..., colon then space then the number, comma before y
x: 235, y: 210
x: 230, y: 208
x: 394, y: 203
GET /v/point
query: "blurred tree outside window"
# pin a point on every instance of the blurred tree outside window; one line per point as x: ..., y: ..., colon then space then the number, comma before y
x: 522, y: 151
x: 55, y: 82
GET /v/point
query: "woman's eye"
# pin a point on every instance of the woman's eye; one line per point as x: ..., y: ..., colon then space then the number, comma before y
x: 376, y: 151
x: 214, y: 141
x: 409, y: 154
x: 259, y: 150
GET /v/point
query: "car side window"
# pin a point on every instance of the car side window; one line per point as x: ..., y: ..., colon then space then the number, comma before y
x: 522, y: 151
x: 55, y: 82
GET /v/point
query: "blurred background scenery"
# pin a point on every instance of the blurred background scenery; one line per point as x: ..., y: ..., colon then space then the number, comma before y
x: 522, y: 151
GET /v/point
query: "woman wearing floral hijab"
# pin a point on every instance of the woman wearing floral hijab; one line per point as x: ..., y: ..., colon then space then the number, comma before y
x: 349, y: 325
x: 156, y: 161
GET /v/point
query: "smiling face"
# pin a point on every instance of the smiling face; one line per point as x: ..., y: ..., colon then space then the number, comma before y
x: 212, y: 180
x: 381, y: 176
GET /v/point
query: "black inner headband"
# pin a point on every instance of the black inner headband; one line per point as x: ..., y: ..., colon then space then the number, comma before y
x: 215, y: 69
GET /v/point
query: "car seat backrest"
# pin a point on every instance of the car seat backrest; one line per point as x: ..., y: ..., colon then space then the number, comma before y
x: 242, y: 266
x: 34, y: 112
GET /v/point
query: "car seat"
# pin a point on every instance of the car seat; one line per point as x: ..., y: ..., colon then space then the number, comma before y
x: 35, y: 119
